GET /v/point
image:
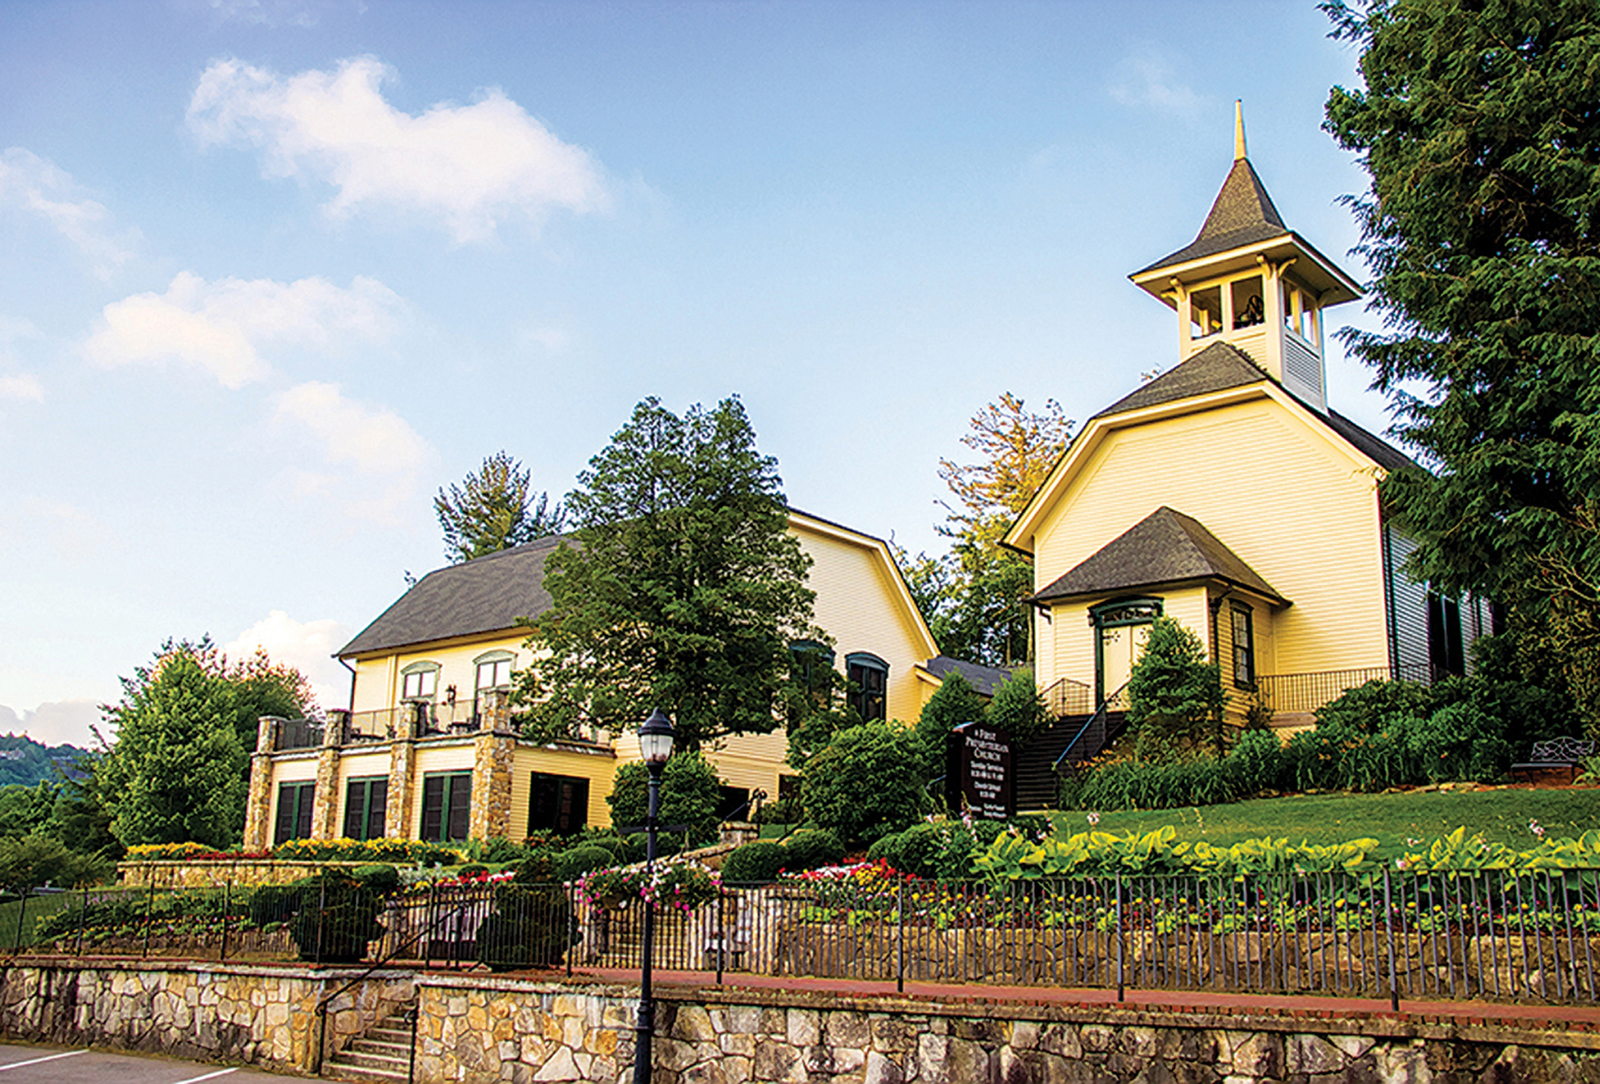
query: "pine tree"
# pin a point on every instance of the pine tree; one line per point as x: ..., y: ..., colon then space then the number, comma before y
x: 493, y: 510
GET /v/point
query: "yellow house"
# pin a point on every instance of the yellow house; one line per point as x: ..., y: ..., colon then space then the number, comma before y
x: 426, y: 749
x: 1227, y: 494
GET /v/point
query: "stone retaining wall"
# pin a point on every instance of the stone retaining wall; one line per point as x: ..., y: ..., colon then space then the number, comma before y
x: 260, y: 1016
x: 477, y: 1028
x: 240, y: 873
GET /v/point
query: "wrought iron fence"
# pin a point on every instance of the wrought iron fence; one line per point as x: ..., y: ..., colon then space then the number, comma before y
x: 1308, y: 692
x: 1478, y: 934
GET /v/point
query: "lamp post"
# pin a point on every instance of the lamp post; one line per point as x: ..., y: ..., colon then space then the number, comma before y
x: 655, y: 745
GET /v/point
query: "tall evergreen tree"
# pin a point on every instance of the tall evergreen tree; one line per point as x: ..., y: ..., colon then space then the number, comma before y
x: 1479, y: 124
x: 683, y: 589
x: 493, y: 509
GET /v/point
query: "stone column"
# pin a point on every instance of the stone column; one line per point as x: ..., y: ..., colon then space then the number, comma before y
x: 402, y: 783
x: 258, y: 803
x: 325, y: 801
x: 493, y: 756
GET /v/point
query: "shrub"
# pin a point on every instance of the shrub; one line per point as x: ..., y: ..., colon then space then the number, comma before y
x: 337, y: 917
x: 781, y: 811
x: 811, y: 849
x: 914, y: 851
x: 1375, y: 706
x: 863, y: 786
x: 954, y: 702
x: 1174, y: 695
x: 690, y: 793
x: 570, y: 865
x: 1256, y: 762
x: 531, y: 926
x: 499, y: 851
x: 622, y: 851
x: 754, y: 863
x: 1017, y: 710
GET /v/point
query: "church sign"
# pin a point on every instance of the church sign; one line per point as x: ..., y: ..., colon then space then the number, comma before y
x: 978, y: 774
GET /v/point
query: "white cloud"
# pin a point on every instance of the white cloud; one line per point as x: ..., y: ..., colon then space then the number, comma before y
x: 222, y: 326
x: 59, y: 722
x: 40, y: 187
x: 375, y: 441
x: 308, y: 646
x: 1147, y: 79
x: 21, y: 386
x: 472, y: 166
x: 271, y: 13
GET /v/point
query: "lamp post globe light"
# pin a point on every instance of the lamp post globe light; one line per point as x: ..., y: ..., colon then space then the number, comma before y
x: 655, y: 746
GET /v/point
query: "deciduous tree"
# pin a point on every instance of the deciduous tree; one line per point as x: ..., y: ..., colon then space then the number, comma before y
x: 971, y: 597
x: 175, y: 772
x: 682, y: 588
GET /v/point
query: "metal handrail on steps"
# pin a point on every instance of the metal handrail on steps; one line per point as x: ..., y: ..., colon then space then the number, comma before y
x: 1100, y: 713
x: 388, y: 958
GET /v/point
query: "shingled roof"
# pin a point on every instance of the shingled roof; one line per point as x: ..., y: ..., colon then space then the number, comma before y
x: 1163, y: 548
x: 1221, y: 366
x: 1218, y: 367
x: 985, y: 679
x: 1242, y: 214
x: 485, y: 595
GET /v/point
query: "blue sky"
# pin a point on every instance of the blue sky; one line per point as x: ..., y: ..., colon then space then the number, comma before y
x: 274, y: 271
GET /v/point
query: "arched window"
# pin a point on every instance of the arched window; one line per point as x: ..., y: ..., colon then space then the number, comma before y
x: 811, y: 670
x: 419, y: 681
x: 869, y: 685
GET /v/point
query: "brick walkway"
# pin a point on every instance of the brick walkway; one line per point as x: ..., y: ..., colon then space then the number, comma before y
x: 678, y: 985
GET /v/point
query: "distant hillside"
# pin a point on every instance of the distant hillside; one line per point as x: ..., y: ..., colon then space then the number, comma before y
x: 25, y: 761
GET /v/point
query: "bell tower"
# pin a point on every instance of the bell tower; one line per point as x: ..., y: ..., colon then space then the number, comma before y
x: 1250, y: 281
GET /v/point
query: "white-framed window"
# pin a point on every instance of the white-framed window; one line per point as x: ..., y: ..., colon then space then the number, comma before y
x: 494, y: 670
x: 419, y: 681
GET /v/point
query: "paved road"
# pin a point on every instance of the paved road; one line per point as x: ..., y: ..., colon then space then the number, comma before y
x: 58, y: 1065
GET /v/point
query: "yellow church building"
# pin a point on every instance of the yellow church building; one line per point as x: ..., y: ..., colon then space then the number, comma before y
x: 427, y: 750
x: 1228, y: 494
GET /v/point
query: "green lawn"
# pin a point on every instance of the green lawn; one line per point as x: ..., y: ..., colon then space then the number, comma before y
x: 1500, y: 816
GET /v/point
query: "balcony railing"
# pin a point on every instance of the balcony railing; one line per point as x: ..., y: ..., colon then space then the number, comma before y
x: 1067, y: 697
x: 1280, y: 693
x: 410, y: 720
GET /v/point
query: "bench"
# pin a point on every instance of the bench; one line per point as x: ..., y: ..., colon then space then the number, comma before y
x: 1556, y: 755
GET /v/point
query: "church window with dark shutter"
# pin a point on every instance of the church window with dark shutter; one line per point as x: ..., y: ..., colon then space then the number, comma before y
x: 869, y: 685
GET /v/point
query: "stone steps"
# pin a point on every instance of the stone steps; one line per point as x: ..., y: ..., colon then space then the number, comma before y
x: 381, y: 1056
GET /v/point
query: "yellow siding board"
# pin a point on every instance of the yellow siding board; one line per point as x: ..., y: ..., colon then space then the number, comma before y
x: 378, y: 680
x: 598, y: 769
x: 1290, y: 500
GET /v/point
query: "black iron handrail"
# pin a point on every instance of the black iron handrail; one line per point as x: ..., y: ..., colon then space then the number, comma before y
x: 1100, y: 713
